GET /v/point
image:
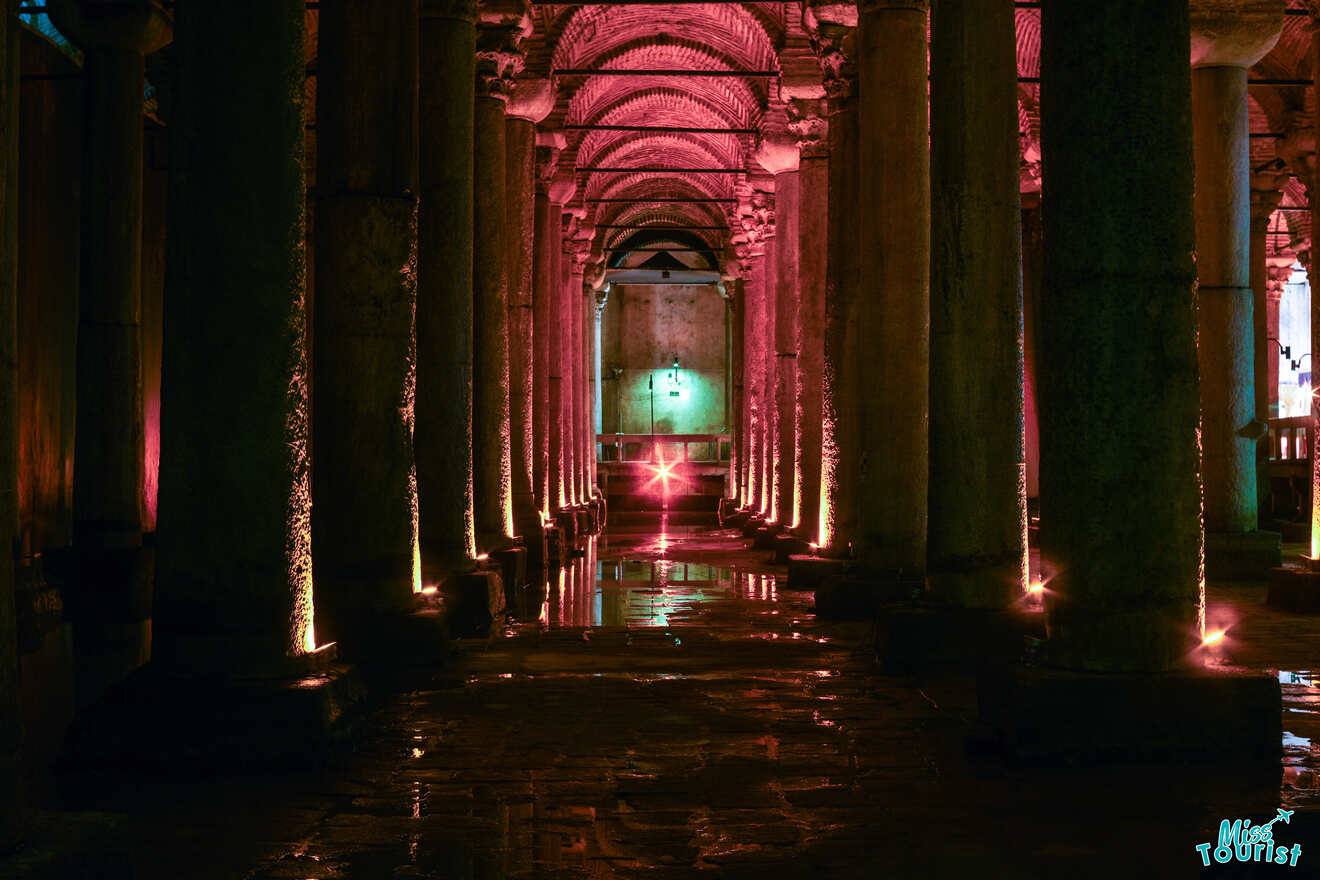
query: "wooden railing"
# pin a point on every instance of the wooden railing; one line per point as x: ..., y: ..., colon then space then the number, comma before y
x: 696, y: 448
x: 1290, y: 439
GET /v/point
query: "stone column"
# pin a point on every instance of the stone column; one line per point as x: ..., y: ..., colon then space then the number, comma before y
x: 571, y: 367
x: 364, y: 505
x: 754, y: 375
x: 809, y: 126
x: 978, y: 514
x: 234, y: 571
x: 894, y: 297
x: 442, y: 437
x: 779, y: 155
x: 545, y: 246
x: 1265, y: 329
x: 115, y: 575
x: 577, y: 312
x: 10, y: 713
x: 737, y: 459
x: 1119, y: 491
x: 559, y: 193
x: 530, y: 102
x: 497, y: 63
x: 769, y: 426
x: 840, y: 398
x: 1228, y: 38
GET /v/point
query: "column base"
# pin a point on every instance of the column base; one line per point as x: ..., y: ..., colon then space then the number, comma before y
x: 512, y: 562
x: 1242, y: 556
x: 173, y: 722
x: 474, y: 602
x: 567, y: 521
x: 57, y: 846
x: 1041, y: 714
x: 787, y: 546
x: 752, y: 524
x: 1294, y: 588
x: 913, y: 637
x: 766, y: 535
x: 735, y: 519
x: 859, y: 595
x: 806, y: 572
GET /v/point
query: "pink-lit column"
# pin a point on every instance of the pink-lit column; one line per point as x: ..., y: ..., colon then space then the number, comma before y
x: 894, y: 296
x: 545, y: 366
x: 573, y: 256
x: 754, y: 344
x: 234, y: 567
x: 978, y: 514
x: 497, y: 61
x: 364, y: 513
x: 778, y: 155
x: 1222, y: 52
x: 841, y: 401
x: 442, y: 432
x: 529, y: 103
x: 557, y: 284
x: 737, y: 460
x: 769, y: 414
x: 10, y: 713
x: 808, y: 125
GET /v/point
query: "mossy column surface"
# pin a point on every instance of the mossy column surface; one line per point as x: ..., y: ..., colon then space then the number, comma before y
x: 894, y: 296
x: 977, y: 546
x: 809, y: 126
x: 364, y: 485
x: 442, y: 434
x: 234, y: 572
x: 10, y: 718
x: 1227, y: 39
x: 754, y: 374
x: 108, y: 447
x: 545, y: 244
x: 1119, y: 488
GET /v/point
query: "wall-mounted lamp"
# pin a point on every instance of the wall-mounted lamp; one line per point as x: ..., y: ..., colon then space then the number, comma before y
x: 1296, y: 365
x: 675, y: 381
x: 1284, y: 350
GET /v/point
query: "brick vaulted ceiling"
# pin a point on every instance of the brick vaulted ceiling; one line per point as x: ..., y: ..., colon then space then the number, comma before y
x: 774, y: 37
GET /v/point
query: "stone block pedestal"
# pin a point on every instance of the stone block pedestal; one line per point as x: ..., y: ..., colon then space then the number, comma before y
x: 1294, y: 589
x: 1246, y: 556
x: 1219, y: 713
x: 808, y: 572
x: 911, y: 637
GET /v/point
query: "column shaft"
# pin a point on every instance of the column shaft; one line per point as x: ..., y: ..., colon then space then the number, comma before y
x: 754, y: 371
x: 1265, y: 352
x: 840, y: 494
x: 234, y: 576
x: 557, y: 284
x: 520, y: 239
x: 576, y: 306
x: 786, y: 345
x: 10, y: 715
x: 492, y: 445
x: 769, y: 426
x: 977, y: 544
x: 1119, y: 490
x: 443, y: 425
x: 108, y: 456
x: 737, y: 457
x: 894, y: 358
x: 546, y: 242
x: 569, y: 369
x: 1223, y: 219
x: 364, y: 507
x: 813, y: 229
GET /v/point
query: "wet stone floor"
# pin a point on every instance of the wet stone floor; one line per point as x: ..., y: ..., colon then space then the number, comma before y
x: 668, y: 709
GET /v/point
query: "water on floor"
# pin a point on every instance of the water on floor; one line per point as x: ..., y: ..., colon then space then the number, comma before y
x: 665, y: 707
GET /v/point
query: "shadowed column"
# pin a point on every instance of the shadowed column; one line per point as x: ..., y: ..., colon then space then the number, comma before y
x: 894, y: 297
x: 737, y: 460
x: 442, y: 436
x: 977, y: 543
x: 769, y: 427
x: 754, y: 372
x: 10, y: 719
x: 363, y: 487
x: 559, y: 193
x: 809, y: 126
x: 1265, y: 328
x: 1228, y: 38
x: 234, y: 577
x: 529, y: 103
x: 115, y: 574
x: 1119, y: 487
x: 497, y: 61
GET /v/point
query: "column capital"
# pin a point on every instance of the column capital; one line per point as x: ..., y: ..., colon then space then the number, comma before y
x: 502, y: 25
x: 1263, y: 204
x: 549, y: 144
x: 134, y: 26
x: 453, y: 10
x: 1234, y: 33
x: 807, y: 122
x: 777, y: 151
x: 531, y: 99
x: 756, y: 217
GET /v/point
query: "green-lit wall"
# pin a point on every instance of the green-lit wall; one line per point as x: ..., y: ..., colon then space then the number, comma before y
x: 643, y: 328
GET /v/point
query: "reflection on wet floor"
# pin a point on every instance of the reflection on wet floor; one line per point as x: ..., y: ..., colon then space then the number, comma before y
x: 665, y: 707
